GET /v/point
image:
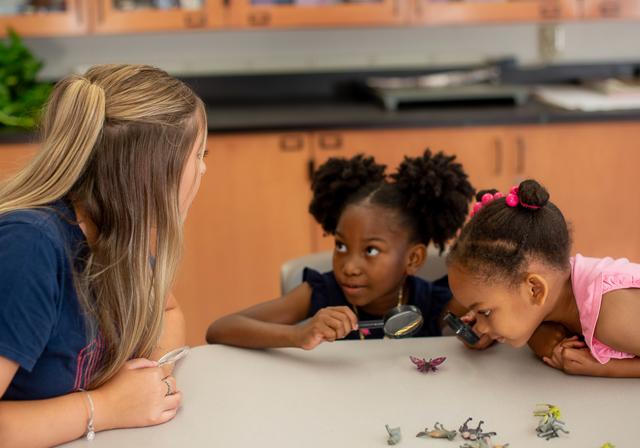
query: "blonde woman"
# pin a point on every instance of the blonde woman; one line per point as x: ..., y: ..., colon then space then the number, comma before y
x: 90, y: 236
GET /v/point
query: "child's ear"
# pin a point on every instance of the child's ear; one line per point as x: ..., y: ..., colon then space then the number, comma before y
x: 537, y: 289
x: 416, y: 257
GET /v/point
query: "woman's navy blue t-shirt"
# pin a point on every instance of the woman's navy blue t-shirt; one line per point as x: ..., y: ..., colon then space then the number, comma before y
x: 42, y: 325
x: 430, y: 298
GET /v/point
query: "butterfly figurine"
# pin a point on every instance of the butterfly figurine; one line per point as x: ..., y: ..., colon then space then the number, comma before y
x: 425, y: 366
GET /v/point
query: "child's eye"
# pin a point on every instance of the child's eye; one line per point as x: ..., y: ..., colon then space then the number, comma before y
x: 372, y: 251
x: 341, y: 247
x: 204, y: 154
x: 485, y: 313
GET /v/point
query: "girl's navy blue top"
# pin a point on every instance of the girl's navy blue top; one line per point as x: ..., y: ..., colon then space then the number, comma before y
x: 430, y: 298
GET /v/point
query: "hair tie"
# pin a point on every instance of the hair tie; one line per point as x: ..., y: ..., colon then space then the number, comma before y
x: 513, y: 199
x: 486, y: 199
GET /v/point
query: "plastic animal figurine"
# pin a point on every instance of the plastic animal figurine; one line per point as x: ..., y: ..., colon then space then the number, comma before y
x: 438, y: 432
x: 474, y: 434
x: 551, y: 428
x: 425, y: 366
x: 394, y: 435
x: 608, y: 445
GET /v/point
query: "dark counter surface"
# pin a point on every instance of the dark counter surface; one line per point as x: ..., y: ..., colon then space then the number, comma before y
x: 344, y: 115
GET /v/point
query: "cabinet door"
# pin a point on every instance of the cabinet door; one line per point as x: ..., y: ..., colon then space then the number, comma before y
x: 249, y: 217
x: 14, y: 157
x: 591, y: 172
x: 452, y: 12
x: 612, y: 9
x: 133, y: 16
x: 311, y: 13
x: 44, y: 17
x: 481, y: 151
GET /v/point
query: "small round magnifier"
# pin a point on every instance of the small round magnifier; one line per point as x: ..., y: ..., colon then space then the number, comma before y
x: 399, y: 322
x: 173, y: 355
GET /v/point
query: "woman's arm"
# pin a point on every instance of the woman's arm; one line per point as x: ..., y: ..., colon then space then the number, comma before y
x: 173, y: 334
x: 134, y: 397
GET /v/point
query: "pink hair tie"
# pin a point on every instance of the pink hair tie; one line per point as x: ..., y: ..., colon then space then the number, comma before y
x: 513, y: 199
x: 487, y: 198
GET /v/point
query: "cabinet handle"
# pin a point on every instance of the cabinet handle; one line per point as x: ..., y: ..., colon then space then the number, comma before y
x: 498, y: 157
x: 609, y: 8
x: 311, y: 169
x: 521, y: 155
x: 330, y: 141
x: 291, y: 143
x: 101, y: 11
x: 79, y: 12
x: 418, y: 8
x: 550, y: 10
x: 259, y: 18
x: 396, y: 8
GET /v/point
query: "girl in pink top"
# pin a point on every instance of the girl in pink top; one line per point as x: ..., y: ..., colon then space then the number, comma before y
x: 511, y: 267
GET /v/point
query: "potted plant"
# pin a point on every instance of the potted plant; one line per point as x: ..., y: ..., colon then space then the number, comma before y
x: 21, y: 94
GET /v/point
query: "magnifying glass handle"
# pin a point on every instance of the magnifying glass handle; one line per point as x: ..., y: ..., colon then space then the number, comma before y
x: 371, y: 324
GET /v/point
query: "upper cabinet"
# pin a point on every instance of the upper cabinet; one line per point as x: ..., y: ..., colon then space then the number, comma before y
x: 42, y: 18
x: 69, y: 17
x: 310, y: 13
x: 438, y: 12
x: 126, y: 16
x: 612, y: 9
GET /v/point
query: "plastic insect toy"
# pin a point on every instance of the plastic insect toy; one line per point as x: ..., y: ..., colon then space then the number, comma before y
x: 394, y: 435
x: 438, y: 432
x: 474, y: 434
x: 551, y: 410
x: 608, y: 445
x: 425, y: 366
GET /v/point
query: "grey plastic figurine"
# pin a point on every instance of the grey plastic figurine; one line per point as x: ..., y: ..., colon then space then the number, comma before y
x: 550, y: 428
x: 482, y: 443
x: 394, y: 435
x: 474, y: 434
x: 438, y: 432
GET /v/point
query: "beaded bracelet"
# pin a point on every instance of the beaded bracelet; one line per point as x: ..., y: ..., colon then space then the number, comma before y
x: 91, y: 434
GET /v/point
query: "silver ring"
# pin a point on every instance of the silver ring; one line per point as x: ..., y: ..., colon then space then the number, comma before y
x: 169, y: 391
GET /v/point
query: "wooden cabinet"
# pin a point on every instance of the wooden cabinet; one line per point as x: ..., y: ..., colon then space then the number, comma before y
x: 482, y: 151
x: 110, y: 17
x: 437, y: 12
x: 591, y: 172
x: 612, y: 9
x: 74, y: 19
x: 248, y: 218
x: 14, y: 157
x: 287, y: 14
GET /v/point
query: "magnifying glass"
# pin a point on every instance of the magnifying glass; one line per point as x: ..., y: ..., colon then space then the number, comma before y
x: 400, y: 321
x: 173, y: 355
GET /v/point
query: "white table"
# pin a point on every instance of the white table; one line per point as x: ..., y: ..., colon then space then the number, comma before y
x: 342, y: 394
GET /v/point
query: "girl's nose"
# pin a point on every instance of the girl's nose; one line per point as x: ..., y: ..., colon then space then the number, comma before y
x: 351, y: 267
x: 481, y: 326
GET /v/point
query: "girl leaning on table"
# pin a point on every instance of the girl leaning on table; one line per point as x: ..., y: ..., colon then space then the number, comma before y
x: 90, y: 236
x: 511, y: 267
x: 382, y: 227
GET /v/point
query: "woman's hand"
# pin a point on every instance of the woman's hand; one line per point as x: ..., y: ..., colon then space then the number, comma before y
x: 485, y: 341
x: 328, y: 324
x: 136, y: 396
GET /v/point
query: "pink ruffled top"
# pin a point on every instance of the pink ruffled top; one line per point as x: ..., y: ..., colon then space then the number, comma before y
x: 591, y: 278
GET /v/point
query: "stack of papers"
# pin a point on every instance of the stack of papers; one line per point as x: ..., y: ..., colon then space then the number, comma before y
x: 586, y: 99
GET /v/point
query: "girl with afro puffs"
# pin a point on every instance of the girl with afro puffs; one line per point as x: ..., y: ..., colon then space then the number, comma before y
x: 382, y: 226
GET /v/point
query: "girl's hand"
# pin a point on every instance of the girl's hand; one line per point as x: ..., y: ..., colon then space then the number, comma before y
x: 485, y: 341
x: 557, y: 354
x: 136, y: 396
x: 328, y: 324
